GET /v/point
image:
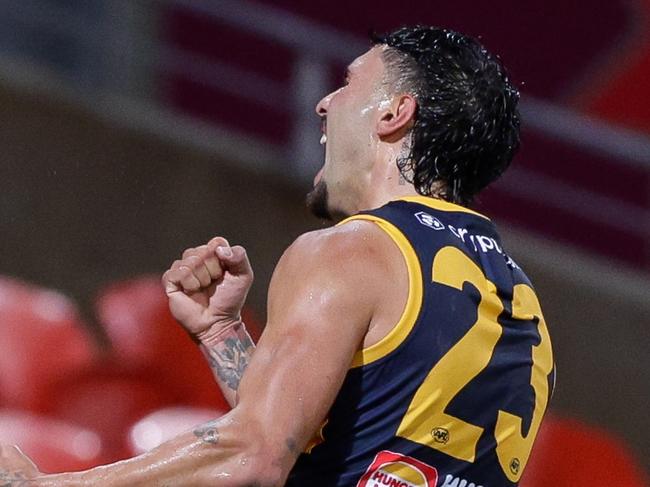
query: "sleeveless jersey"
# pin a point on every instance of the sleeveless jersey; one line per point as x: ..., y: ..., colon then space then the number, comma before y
x: 455, y: 393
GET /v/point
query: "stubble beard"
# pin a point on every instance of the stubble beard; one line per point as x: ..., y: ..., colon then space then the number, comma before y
x: 318, y: 201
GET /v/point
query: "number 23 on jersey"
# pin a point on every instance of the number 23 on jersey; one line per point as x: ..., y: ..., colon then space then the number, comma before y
x: 426, y: 420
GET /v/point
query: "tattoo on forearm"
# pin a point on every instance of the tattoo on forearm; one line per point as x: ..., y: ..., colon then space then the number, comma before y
x: 12, y: 479
x: 229, y: 359
x: 208, y: 432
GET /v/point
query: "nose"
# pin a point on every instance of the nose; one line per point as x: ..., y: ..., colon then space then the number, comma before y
x: 323, y: 105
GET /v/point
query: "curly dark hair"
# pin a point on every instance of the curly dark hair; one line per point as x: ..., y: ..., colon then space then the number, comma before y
x: 466, y: 128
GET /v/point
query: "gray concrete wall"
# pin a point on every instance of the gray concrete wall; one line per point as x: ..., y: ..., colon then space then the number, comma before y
x: 82, y: 204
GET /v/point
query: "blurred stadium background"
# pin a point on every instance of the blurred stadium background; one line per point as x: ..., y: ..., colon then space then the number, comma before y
x: 132, y: 129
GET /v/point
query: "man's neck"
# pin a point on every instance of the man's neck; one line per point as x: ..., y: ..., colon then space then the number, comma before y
x: 380, y: 197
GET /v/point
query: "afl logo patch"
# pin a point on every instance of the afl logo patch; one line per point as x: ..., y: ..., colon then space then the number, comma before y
x: 429, y: 221
x: 396, y: 470
x: 440, y: 435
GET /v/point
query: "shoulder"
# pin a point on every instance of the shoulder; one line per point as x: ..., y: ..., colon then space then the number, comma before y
x: 355, y: 245
x: 341, y: 267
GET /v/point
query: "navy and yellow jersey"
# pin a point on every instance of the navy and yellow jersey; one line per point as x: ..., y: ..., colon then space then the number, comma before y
x: 455, y: 393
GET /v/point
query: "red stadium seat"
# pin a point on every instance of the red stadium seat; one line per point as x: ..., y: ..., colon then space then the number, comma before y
x: 148, y: 341
x: 55, y: 446
x: 108, y: 403
x: 164, y: 424
x: 568, y: 453
x: 43, y: 340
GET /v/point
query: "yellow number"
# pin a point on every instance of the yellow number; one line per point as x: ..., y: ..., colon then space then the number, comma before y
x: 425, y: 420
x: 513, y: 449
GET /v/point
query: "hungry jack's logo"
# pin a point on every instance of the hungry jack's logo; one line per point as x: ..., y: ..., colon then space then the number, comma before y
x: 395, y: 470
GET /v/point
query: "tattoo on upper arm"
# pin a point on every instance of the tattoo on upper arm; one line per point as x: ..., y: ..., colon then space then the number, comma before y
x: 13, y: 479
x: 292, y: 452
x: 207, y: 433
x: 230, y: 358
x: 292, y: 446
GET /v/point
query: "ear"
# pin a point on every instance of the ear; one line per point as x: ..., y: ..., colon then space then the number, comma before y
x: 398, y: 117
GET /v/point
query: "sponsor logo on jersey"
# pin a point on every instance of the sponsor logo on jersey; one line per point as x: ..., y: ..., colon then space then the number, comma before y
x: 390, y: 469
x: 429, y: 220
x: 451, y: 481
x: 479, y: 243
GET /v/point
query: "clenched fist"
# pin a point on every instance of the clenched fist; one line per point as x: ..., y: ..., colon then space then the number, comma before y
x: 207, y: 288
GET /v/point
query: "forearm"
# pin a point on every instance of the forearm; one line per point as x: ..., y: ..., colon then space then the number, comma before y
x: 171, y: 464
x: 14, y: 478
x: 212, y: 455
x: 228, y: 352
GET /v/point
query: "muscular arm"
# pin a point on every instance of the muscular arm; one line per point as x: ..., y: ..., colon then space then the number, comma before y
x: 321, y: 300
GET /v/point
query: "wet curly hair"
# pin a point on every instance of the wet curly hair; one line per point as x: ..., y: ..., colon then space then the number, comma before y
x: 466, y: 127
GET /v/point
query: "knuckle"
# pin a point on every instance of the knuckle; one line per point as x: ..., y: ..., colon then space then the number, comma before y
x: 193, y: 261
x: 217, y: 241
x: 211, y: 259
x: 170, y: 276
x: 204, y: 254
x: 189, y: 252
